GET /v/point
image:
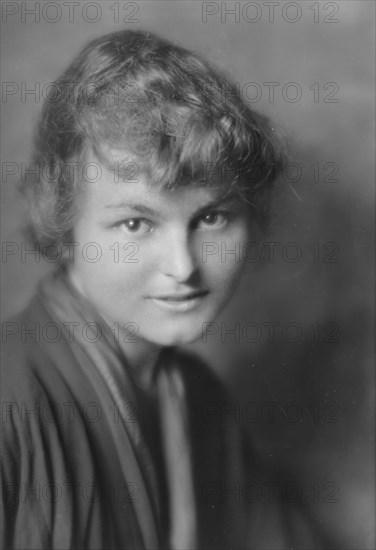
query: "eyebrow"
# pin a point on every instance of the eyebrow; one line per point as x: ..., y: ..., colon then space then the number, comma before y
x: 147, y: 210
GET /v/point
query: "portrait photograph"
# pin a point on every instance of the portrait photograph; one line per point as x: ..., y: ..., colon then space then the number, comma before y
x: 187, y: 275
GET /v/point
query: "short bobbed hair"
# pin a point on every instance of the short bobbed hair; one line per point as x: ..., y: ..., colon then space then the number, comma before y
x: 177, y: 118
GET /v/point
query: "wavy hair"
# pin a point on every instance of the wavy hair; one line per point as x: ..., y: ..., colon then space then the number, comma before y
x: 178, y: 118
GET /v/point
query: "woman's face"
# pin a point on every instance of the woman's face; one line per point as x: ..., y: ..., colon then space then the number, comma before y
x: 160, y: 264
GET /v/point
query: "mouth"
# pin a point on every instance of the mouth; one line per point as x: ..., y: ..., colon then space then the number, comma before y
x: 180, y: 302
x: 181, y: 297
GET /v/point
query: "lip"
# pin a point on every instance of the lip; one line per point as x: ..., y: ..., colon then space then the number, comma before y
x: 180, y: 302
x: 181, y: 297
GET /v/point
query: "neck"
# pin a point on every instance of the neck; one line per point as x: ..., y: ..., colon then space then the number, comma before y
x: 142, y: 357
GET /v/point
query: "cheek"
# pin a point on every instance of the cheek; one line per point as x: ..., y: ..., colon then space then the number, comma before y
x: 223, y: 260
x: 105, y: 272
x: 223, y: 268
x: 121, y: 278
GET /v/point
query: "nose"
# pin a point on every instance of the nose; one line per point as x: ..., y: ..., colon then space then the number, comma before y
x: 179, y: 259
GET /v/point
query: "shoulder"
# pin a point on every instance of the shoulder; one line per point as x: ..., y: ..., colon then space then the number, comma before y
x: 34, y: 354
x: 43, y: 392
x: 21, y: 351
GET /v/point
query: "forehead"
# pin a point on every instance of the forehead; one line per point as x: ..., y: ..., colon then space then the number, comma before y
x: 118, y: 182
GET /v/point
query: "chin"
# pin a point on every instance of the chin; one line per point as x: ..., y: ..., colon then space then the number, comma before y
x: 177, y: 338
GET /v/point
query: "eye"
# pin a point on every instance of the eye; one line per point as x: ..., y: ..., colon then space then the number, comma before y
x: 214, y: 220
x: 135, y: 226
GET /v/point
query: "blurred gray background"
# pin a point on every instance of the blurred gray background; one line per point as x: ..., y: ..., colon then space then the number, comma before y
x: 327, y: 371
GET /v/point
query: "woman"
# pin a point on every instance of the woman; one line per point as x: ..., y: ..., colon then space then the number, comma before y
x: 149, y: 161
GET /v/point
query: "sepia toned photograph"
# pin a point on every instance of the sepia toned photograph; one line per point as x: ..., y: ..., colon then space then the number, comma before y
x: 187, y: 275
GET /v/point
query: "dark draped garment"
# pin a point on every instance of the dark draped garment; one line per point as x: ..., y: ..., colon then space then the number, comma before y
x: 93, y: 459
